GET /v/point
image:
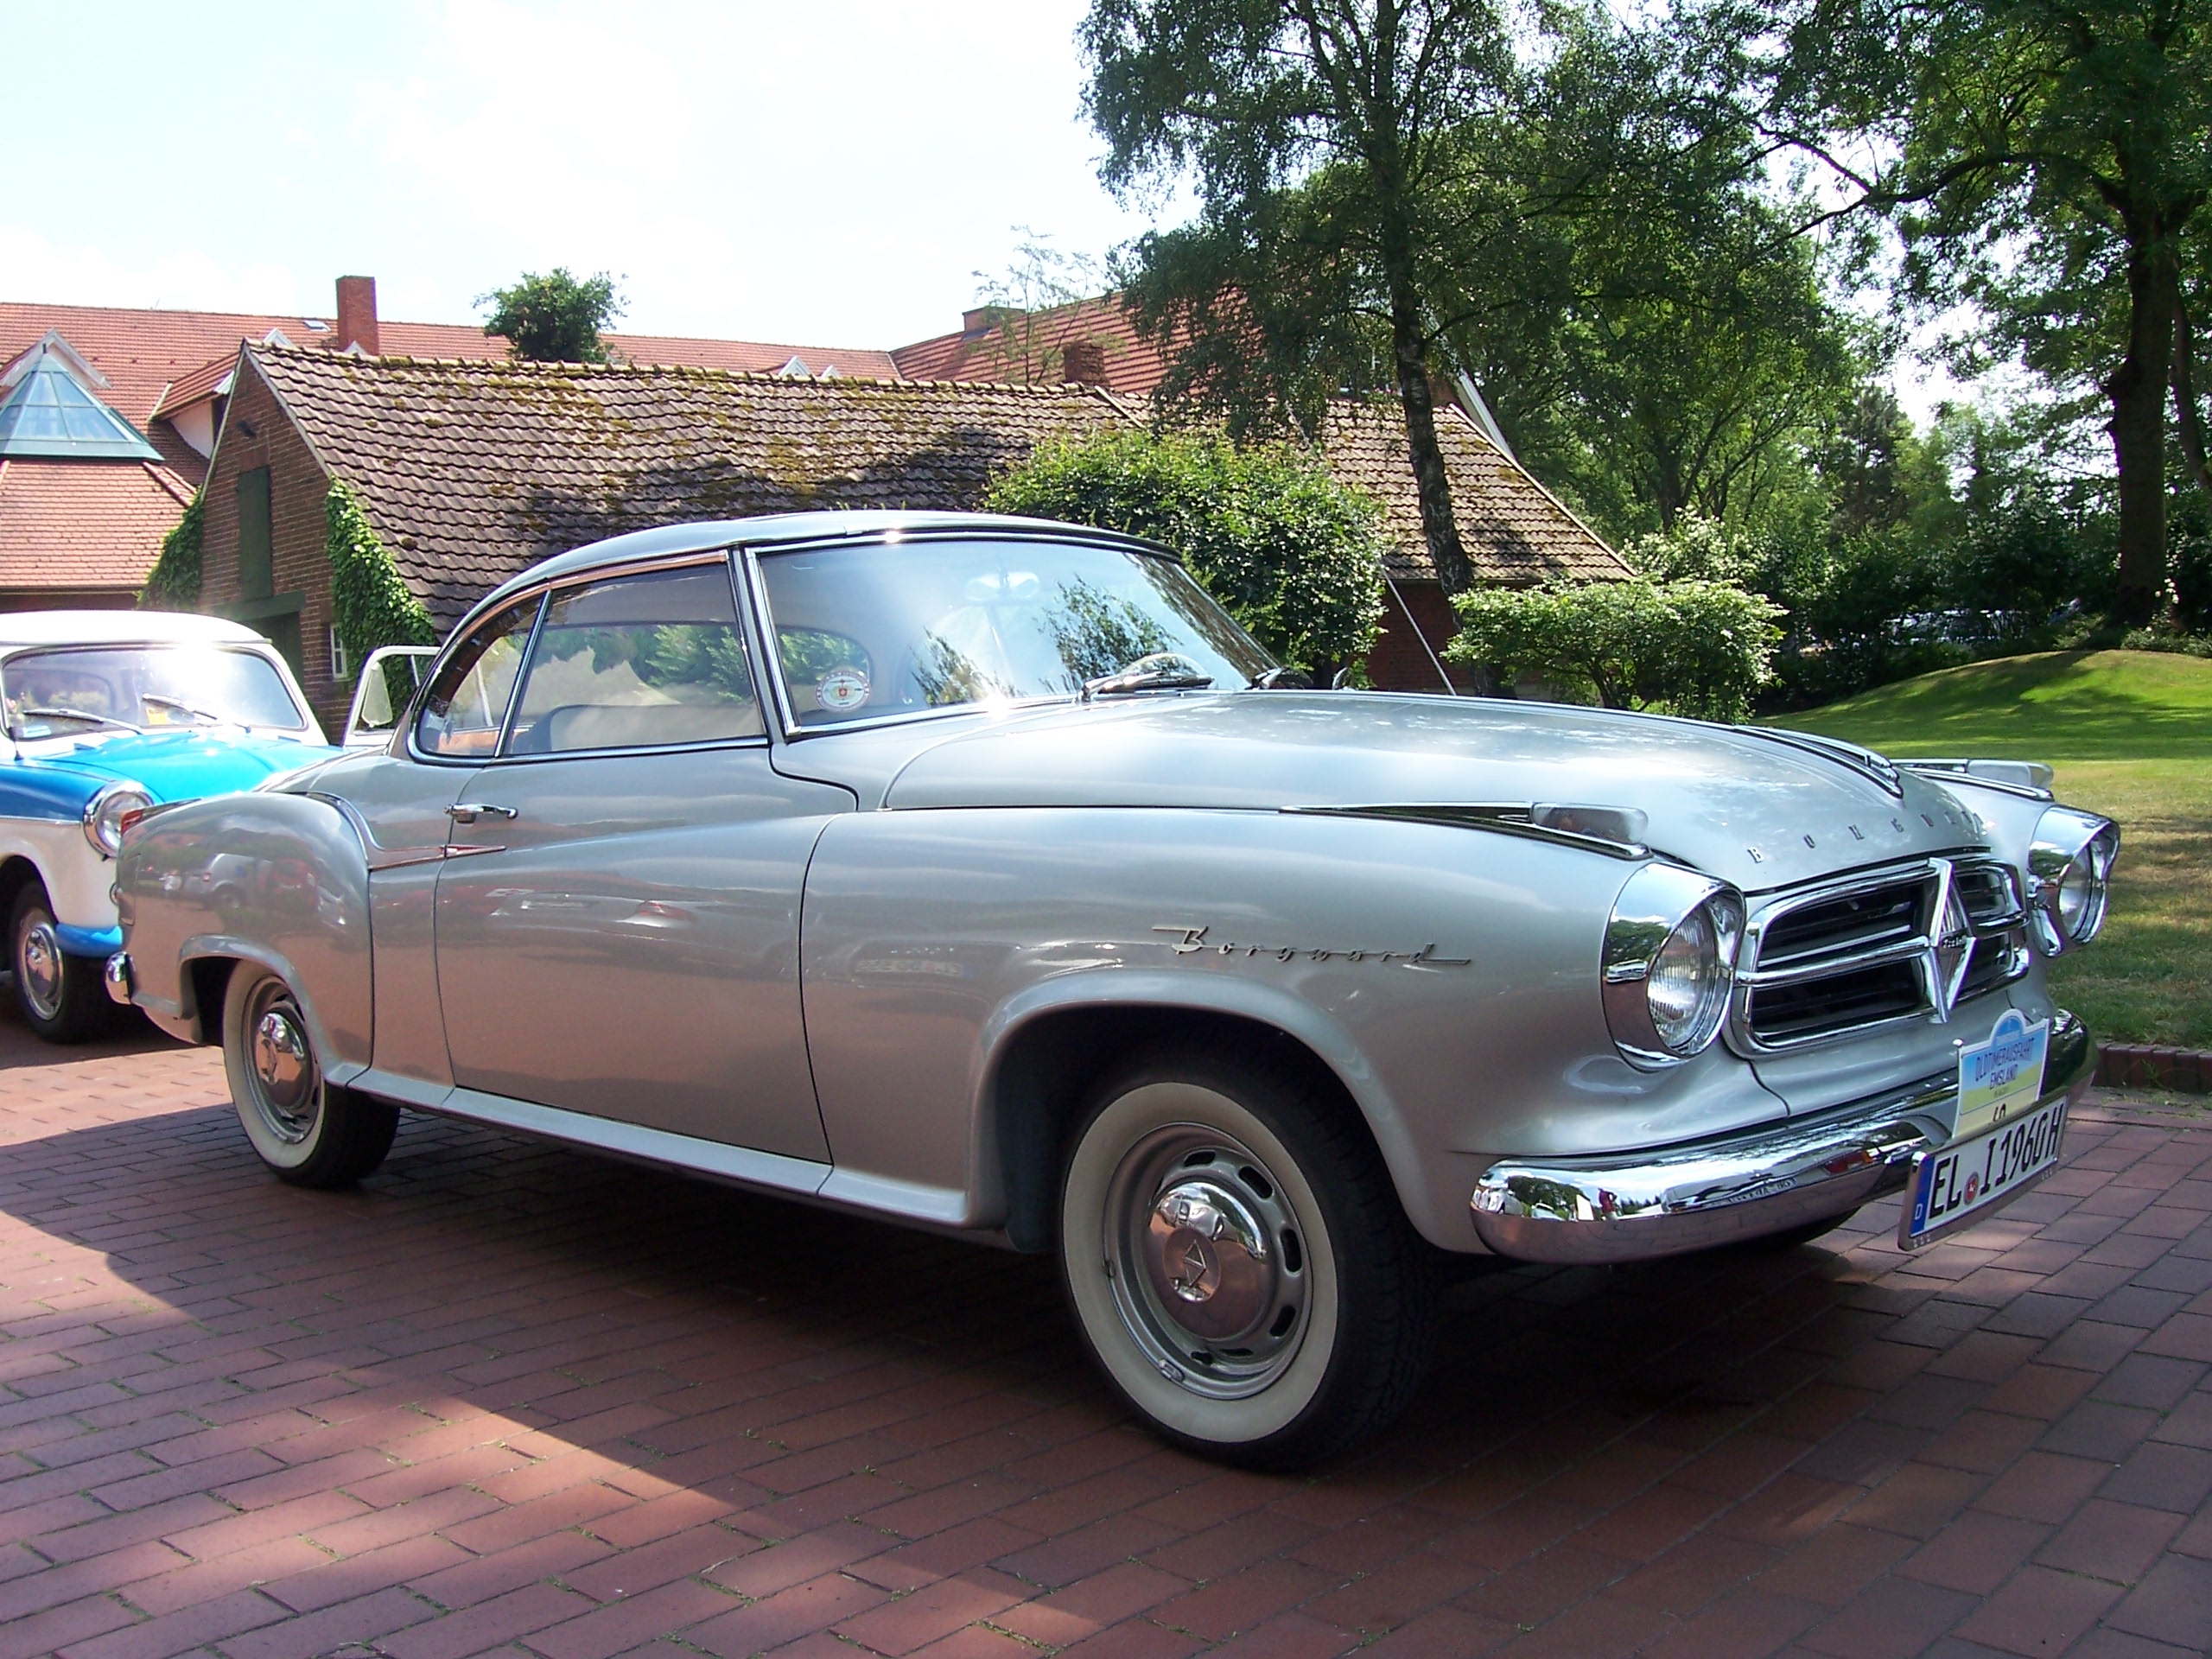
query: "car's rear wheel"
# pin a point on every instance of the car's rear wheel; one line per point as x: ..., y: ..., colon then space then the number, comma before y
x: 61, y: 996
x: 308, y: 1131
x: 1238, y: 1259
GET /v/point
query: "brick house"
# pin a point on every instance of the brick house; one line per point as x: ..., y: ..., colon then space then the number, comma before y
x: 77, y: 529
x: 1515, y: 530
x: 471, y: 470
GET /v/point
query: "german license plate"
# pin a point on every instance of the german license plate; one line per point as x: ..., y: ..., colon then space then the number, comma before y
x: 1959, y: 1184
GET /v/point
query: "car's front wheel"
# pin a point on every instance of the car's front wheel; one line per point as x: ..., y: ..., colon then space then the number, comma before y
x: 1237, y: 1260
x: 61, y: 996
x: 310, y: 1132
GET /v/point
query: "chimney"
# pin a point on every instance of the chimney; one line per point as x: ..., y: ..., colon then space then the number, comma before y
x: 1083, y: 362
x: 356, y: 315
x: 983, y: 318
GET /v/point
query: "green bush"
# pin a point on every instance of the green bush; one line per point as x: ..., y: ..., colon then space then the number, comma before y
x: 370, y: 604
x: 1691, y: 647
x: 1294, y: 556
x: 174, y: 583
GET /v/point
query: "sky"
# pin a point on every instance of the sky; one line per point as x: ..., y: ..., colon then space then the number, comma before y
x: 823, y: 172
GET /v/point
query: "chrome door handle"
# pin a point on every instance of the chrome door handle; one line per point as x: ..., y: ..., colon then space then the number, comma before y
x: 469, y: 812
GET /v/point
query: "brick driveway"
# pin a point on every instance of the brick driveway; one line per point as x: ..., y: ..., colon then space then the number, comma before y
x: 506, y: 1397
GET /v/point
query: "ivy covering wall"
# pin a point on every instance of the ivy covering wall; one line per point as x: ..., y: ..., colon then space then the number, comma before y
x: 370, y: 604
x: 174, y: 583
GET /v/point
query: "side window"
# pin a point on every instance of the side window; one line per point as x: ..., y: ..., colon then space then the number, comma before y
x: 467, y: 702
x: 638, y: 662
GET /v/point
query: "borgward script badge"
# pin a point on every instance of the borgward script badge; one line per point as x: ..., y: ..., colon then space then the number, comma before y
x: 1190, y: 941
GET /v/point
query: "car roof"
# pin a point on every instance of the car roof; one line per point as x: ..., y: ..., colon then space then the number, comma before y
x: 708, y: 533
x: 20, y: 628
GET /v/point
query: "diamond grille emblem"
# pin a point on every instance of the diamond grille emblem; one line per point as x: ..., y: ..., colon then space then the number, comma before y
x: 1950, y: 946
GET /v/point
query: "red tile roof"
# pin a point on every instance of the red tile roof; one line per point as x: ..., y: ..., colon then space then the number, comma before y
x: 84, y: 526
x: 1030, y: 346
x: 470, y: 471
x: 144, y: 353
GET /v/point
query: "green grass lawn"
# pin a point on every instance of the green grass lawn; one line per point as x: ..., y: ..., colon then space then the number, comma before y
x: 2131, y: 735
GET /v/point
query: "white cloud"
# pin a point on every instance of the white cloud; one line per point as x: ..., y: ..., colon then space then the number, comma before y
x: 33, y: 267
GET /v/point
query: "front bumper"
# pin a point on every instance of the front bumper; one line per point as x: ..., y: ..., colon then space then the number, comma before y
x: 1629, y: 1207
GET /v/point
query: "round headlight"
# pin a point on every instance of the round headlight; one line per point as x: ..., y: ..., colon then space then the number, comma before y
x: 1669, y: 963
x: 2069, y: 877
x: 104, y: 814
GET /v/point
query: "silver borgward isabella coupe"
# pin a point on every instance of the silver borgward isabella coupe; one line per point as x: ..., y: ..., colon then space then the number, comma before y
x: 983, y: 874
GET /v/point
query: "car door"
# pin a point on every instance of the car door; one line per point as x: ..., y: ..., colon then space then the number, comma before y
x: 618, y: 924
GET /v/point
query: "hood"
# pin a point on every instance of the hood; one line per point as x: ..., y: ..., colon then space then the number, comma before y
x: 1752, y: 809
x: 172, y: 766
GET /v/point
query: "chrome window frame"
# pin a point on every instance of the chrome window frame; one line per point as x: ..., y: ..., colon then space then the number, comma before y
x: 543, y: 592
x: 1764, y: 912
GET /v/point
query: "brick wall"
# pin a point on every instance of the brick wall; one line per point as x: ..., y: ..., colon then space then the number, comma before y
x: 257, y: 434
x: 1399, y: 663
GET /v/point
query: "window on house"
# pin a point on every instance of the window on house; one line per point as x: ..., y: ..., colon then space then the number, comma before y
x: 341, y: 660
x: 257, y: 551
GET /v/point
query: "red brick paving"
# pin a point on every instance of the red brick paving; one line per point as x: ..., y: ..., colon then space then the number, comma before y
x: 511, y: 1399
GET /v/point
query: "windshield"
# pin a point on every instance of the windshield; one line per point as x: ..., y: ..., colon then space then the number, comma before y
x: 80, y: 688
x: 886, y: 629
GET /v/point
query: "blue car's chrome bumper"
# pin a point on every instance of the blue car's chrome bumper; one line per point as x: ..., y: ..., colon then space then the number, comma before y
x: 1631, y: 1206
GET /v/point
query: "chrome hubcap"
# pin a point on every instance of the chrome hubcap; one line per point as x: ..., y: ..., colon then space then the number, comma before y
x: 39, y: 965
x: 1208, y: 1265
x: 287, y: 1087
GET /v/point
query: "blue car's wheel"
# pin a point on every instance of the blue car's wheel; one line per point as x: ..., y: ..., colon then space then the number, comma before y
x: 61, y: 996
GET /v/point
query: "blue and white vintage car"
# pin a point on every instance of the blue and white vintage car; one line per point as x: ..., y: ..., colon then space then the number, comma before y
x: 983, y: 874
x: 109, y: 713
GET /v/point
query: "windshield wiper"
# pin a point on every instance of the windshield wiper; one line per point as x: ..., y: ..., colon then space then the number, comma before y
x: 1285, y: 678
x: 206, y: 717
x: 77, y: 713
x: 1164, y: 671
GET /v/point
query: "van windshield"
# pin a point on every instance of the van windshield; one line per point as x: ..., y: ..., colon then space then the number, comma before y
x: 79, y: 689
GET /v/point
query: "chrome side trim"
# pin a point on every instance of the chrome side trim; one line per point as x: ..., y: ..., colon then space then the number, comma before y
x: 1504, y: 819
x: 942, y: 1208
x: 1876, y: 768
x: 1634, y: 1206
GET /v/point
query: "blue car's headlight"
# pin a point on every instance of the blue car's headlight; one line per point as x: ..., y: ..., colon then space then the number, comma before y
x: 104, y: 812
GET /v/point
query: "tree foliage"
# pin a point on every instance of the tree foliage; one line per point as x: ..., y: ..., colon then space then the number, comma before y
x: 1324, y: 139
x: 554, y: 317
x: 174, y: 583
x: 1691, y: 647
x: 371, y: 604
x: 2048, y: 161
x: 1294, y: 556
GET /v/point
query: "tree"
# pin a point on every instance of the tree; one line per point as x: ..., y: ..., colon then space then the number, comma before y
x: 1359, y: 101
x: 1294, y: 556
x: 2046, y: 160
x: 1691, y: 647
x: 1035, y: 308
x: 555, y: 318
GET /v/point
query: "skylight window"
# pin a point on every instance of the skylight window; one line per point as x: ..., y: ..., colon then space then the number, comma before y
x: 314, y: 324
x: 49, y: 414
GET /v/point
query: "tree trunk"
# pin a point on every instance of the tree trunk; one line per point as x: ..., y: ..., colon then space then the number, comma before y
x: 2188, y: 419
x: 2138, y: 391
x: 1438, y: 527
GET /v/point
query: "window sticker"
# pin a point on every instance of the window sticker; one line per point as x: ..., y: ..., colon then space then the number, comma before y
x: 841, y: 689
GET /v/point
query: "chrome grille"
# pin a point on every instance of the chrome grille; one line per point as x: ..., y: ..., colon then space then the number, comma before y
x: 1826, y: 961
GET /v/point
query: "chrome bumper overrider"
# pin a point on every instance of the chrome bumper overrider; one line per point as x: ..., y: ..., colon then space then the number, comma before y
x: 115, y: 976
x: 1634, y: 1205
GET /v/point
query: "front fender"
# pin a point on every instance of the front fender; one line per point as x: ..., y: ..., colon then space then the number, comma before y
x: 277, y: 880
